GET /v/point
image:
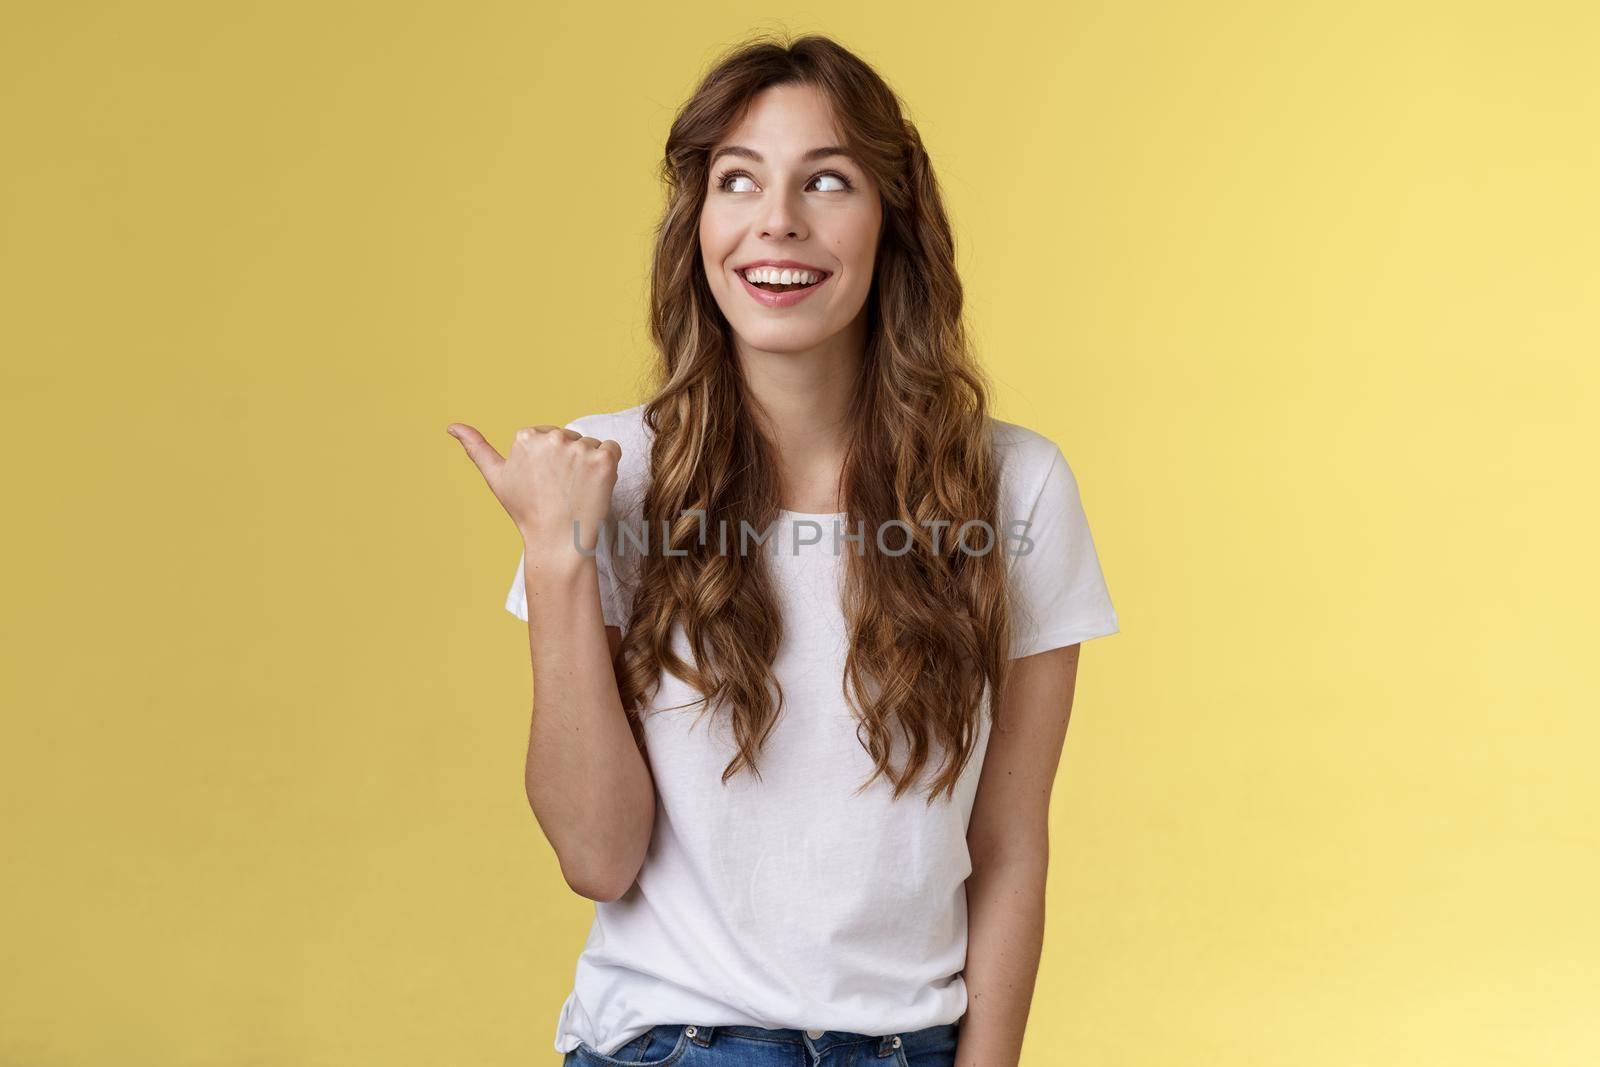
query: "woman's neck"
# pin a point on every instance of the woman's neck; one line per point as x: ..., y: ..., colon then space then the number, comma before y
x: 802, y: 401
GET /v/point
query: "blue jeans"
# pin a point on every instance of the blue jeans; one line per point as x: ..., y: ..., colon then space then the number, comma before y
x: 683, y: 1045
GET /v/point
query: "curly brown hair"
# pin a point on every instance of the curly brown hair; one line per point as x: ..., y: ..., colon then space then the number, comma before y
x: 929, y: 629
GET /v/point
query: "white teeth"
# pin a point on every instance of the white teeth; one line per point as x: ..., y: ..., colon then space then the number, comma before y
x: 785, y: 276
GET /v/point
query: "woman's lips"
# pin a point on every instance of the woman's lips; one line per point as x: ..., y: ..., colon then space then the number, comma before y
x: 779, y: 300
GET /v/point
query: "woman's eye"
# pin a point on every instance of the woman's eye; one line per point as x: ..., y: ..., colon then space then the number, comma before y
x: 725, y: 182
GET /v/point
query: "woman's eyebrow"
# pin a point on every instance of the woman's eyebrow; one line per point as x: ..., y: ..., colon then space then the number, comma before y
x: 752, y: 154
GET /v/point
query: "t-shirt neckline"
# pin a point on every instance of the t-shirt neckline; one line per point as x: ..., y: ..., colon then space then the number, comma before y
x: 814, y: 515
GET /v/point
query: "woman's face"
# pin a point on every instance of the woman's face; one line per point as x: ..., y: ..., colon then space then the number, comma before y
x: 779, y: 190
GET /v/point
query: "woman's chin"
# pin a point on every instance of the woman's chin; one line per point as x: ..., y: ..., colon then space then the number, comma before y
x: 781, y: 338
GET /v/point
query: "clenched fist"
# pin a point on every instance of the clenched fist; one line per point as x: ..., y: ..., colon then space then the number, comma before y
x: 552, y: 478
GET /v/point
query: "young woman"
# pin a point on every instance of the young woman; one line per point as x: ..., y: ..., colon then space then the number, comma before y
x: 771, y: 763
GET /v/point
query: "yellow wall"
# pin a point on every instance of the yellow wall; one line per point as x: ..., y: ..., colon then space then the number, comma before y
x: 1308, y: 293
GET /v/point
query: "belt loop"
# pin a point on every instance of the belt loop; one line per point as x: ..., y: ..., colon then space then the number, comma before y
x: 701, y: 1035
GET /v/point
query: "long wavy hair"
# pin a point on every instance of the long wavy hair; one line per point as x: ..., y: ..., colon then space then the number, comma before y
x: 929, y: 630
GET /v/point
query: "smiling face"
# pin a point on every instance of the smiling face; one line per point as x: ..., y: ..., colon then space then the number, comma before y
x: 781, y: 191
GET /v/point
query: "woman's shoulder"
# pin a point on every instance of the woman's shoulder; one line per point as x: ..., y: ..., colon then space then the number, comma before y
x: 1019, y: 440
x: 625, y: 427
x: 1026, y: 457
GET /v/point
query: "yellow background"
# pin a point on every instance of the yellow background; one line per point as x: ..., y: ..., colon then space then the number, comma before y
x: 1306, y: 292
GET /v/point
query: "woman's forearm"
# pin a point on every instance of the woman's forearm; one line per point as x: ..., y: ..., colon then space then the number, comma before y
x: 586, y: 779
x: 1005, y: 937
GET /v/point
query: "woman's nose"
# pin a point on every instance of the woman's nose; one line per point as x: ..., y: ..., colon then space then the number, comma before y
x: 783, y: 218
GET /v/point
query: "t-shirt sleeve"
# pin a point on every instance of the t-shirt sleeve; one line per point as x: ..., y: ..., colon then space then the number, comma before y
x: 611, y: 606
x: 1060, y: 595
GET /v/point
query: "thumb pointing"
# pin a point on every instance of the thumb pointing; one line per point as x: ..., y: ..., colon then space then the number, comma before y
x: 482, y: 454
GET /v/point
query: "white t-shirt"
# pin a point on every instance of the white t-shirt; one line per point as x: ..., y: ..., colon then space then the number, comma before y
x: 789, y: 902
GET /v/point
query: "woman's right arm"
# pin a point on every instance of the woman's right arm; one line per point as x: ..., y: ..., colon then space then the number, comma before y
x: 586, y: 779
x: 587, y: 782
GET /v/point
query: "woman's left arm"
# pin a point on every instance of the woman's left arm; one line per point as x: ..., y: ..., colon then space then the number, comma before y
x: 1008, y: 839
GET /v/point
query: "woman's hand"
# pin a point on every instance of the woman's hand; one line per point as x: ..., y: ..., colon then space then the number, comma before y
x: 552, y: 478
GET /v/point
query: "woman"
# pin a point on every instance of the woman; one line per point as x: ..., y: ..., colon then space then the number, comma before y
x: 770, y: 763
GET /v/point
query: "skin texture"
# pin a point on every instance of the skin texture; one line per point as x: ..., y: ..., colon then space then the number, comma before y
x: 800, y: 362
x: 1009, y: 842
x: 587, y: 782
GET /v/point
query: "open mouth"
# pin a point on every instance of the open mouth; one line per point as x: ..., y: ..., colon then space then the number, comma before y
x: 770, y: 280
x: 781, y: 287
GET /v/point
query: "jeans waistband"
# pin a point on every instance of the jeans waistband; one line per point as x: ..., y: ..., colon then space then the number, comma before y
x: 883, y: 1045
